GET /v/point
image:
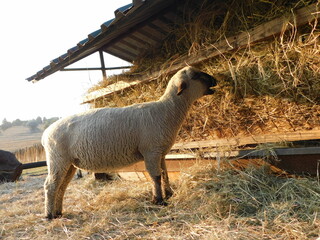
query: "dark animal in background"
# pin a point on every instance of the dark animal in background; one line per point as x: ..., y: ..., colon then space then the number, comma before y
x: 10, y: 167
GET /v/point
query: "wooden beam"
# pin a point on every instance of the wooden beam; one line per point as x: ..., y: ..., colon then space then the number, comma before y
x: 115, y: 88
x: 94, y: 69
x: 250, y: 140
x: 292, y: 160
x: 104, y: 74
x: 110, y: 89
x: 264, y: 31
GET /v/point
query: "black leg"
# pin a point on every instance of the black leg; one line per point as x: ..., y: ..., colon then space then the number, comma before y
x: 157, y: 198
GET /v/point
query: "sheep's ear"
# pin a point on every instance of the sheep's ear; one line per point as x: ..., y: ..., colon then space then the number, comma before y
x: 181, y: 87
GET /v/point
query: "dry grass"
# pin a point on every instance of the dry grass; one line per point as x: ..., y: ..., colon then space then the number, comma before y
x: 34, y: 153
x: 18, y: 137
x: 25, y: 145
x: 207, y: 204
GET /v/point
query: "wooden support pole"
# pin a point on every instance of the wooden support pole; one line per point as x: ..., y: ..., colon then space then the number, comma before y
x: 104, y: 74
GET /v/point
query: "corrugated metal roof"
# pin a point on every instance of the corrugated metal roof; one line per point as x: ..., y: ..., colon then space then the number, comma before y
x: 137, y: 27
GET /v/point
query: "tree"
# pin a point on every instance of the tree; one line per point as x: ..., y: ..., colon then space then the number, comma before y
x: 17, y: 122
x: 39, y: 120
x: 33, y: 126
x: 48, y: 122
x: 5, y: 124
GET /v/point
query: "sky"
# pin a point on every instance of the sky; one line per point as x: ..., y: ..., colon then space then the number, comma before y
x: 33, y: 33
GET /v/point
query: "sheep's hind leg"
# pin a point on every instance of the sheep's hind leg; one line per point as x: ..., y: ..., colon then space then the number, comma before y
x: 59, y: 199
x: 166, y: 185
x: 153, y: 163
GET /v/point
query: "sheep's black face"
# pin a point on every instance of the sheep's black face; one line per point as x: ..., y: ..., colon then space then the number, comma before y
x: 208, y: 80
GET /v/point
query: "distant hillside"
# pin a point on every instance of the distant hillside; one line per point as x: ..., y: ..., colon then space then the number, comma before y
x: 18, y: 137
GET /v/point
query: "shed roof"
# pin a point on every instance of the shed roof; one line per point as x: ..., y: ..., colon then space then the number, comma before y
x: 136, y: 27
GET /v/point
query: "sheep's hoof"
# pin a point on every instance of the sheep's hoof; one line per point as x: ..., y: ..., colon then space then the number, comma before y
x: 159, y: 201
x: 168, y: 194
x: 49, y: 216
x: 163, y: 203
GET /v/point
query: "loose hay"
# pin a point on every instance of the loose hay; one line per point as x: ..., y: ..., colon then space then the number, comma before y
x: 207, y: 204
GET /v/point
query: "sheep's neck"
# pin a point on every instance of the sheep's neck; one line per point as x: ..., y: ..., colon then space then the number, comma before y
x: 176, y: 110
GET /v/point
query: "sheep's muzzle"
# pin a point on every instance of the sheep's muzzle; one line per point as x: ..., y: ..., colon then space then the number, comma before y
x: 210, y: 82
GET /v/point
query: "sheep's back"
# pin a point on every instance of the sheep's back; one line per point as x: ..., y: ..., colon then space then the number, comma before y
x: 99, y: 139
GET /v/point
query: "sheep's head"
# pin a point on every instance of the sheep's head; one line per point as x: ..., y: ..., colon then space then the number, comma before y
x: 195, y: 81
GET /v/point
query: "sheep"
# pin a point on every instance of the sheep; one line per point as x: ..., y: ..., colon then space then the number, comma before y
x: 106, y: 139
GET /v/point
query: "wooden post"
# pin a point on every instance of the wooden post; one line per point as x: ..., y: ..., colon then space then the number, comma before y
x: 104, y: 74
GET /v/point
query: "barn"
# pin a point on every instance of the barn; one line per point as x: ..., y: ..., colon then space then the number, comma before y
x: 265, y: 54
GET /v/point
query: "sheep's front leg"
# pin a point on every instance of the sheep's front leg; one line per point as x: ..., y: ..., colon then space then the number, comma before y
x: 166, y: 185
x: 157, y: 195
x: 51, y: 187
x: 54, y: 187
x: 153, y: 163
x: 59, y: 199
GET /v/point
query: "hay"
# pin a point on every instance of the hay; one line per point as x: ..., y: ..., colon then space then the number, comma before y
x: 31, y: 154
x: 272, y: 86
x: 253, y: 199
x: 207, y: 204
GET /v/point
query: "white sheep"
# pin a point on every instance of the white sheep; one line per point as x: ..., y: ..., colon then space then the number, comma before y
x: 106, y: 139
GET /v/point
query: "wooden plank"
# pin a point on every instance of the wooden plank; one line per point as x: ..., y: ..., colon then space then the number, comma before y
x: 259, y: 33
x: 280, y: 152
x: 112, y: 88
x: 153, y: 33
x: 118, y: 52
x: 143, y: 176
x: 250, y: 140
x: 123, y: 46
x: 300, y: 164
x: 175, y: 170
x: 293, y: 160
x: 95, y: 68
x: 123, y: 49
x: 132, y: 176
